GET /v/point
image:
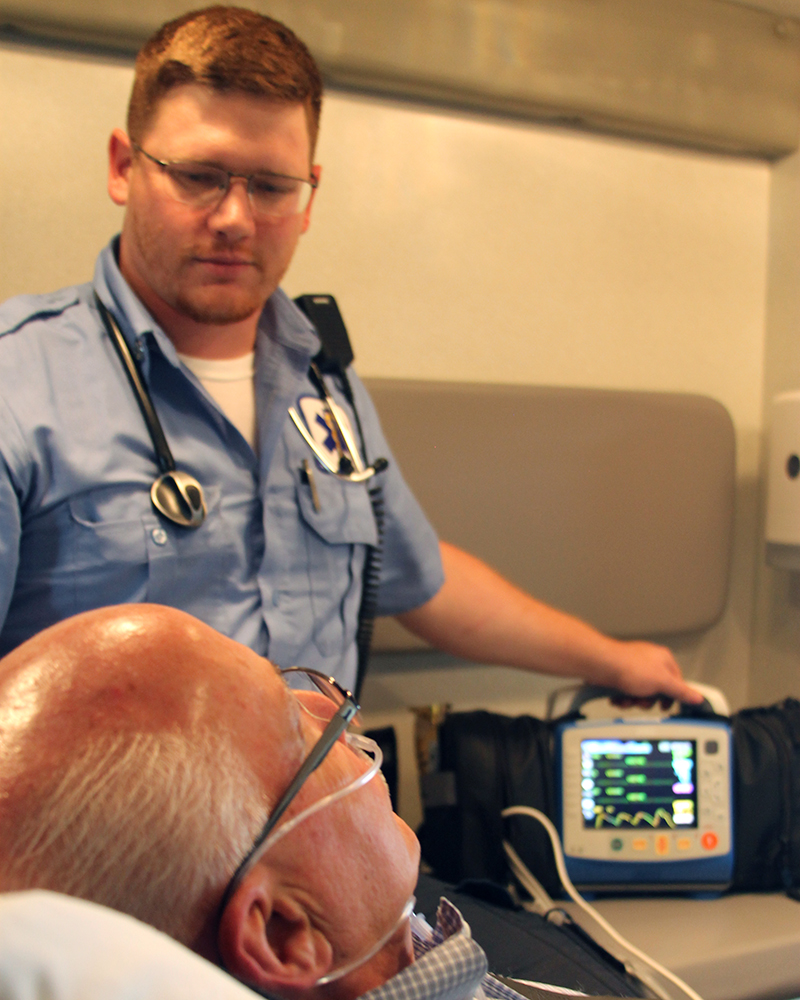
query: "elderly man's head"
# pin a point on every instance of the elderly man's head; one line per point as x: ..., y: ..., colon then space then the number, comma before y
x: 140, y: 754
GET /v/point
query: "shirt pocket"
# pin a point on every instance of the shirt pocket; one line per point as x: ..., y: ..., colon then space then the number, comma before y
x: 315, y: 557
x: 123, y: 550
x: 87, y: 552
x: 69, y: 561
x: 344, y: 513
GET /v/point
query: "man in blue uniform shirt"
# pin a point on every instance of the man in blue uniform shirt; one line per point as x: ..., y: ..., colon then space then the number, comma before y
x: 217, y: 177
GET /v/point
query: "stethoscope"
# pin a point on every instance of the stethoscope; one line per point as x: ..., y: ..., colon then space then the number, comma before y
x: 178, y: 495
x: 349, y: 466
x: 175, y: 494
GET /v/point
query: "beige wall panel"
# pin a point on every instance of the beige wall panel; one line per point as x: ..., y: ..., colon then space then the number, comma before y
x: 56, y: 114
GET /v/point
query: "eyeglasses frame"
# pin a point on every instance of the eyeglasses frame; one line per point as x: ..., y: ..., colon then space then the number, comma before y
x: 327, y: 740
x: 165, y: 164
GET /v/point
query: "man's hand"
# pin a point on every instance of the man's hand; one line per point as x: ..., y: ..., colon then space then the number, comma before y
x: 646, y: 671
x: 480, y: 616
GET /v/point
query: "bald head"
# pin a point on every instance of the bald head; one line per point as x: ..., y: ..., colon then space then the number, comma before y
x: 132, y: 665
x: 130, y: 739
x: 140, y: 754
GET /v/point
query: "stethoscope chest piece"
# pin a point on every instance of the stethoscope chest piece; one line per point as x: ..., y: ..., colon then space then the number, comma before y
x: 179, y: 497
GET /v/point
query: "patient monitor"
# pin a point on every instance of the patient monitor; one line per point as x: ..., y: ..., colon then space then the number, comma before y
x: 646, y: 803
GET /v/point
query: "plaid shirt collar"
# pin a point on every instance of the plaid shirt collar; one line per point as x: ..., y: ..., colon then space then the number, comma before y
x: 448, y: 964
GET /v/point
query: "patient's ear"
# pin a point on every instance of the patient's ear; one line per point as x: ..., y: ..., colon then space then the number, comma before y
x: 267, y: 940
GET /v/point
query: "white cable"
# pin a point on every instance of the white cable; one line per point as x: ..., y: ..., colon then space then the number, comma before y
x: 541, y: 900
x: 594, y: 915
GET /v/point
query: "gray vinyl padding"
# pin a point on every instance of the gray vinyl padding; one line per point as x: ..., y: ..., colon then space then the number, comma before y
x: 615, y: 505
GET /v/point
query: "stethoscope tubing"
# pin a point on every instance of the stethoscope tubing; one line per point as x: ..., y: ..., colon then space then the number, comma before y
x: 164, y: 456
x: 175, y: 494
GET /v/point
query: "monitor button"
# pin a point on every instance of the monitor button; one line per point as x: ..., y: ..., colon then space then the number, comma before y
x: 662, y: 844
x: 683, y: 844
x: 639, y: 844
x: 616, y: 844
x: 709, y: 840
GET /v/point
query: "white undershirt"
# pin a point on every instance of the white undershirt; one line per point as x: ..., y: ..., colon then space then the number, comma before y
x: 230, y: 383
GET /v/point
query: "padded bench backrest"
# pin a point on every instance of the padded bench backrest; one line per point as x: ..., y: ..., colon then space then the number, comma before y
x: 614, y: 505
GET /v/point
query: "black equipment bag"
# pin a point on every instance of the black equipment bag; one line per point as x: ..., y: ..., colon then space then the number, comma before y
x: 766, y: 748
x: 494, y: 761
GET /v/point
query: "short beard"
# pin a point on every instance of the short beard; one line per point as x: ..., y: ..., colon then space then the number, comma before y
x: 216, y: 314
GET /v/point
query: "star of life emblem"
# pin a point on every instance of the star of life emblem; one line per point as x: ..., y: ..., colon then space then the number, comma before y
x: 324, y: 431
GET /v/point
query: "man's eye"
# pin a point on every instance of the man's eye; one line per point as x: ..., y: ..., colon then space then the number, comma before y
x: 273, y: 187
x: 198, y: 178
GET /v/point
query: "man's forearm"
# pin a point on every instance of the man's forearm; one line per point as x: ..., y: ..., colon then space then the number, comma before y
x: 479, y: 615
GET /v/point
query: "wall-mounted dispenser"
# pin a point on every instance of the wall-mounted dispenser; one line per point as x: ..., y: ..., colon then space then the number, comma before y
x: 783, y: 483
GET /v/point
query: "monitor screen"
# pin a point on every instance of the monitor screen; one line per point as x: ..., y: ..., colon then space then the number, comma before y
x: 638, y: 783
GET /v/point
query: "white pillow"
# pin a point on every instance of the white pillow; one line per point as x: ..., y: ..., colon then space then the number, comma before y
x: 55, y: 947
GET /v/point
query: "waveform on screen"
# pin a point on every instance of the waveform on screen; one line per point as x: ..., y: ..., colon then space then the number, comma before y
x: 636, y: 819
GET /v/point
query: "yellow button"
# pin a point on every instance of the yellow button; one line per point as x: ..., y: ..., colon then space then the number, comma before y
x: 639, y: 844
x: 684, y: 844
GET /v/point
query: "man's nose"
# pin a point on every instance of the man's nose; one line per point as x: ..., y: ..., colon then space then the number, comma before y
x: 234, y: 213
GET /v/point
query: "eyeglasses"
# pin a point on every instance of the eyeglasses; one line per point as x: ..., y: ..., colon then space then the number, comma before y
x: 345, y: 710
x: 272, y: 196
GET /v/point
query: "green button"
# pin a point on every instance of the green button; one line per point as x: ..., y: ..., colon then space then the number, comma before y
x: 616, y: 844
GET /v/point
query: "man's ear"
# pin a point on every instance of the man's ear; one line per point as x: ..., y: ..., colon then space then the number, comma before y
x: 316, y: 173
x: 120, y: 159
x: 266, y: 939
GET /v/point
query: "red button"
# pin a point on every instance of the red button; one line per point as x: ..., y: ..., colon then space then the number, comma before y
x: 709, y: 840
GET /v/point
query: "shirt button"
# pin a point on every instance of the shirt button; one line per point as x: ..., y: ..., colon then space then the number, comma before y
x: 159, y: 536
x: 138, y: 349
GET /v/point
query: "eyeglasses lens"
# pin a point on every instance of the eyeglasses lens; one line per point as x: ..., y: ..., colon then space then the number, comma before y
x: 271, y: 195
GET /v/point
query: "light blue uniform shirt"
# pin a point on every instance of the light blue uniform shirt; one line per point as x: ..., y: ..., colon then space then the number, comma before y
x: 77, y: 529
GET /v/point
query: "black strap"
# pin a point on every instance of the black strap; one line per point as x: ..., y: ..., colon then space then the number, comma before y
x: 334, y: 357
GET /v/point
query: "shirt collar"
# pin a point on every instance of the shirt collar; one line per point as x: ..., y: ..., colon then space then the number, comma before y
x: 117, y: 295
x: 282, y: 322
x: 448, y: 964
